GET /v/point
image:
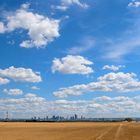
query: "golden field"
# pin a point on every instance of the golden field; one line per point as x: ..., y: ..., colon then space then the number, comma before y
x: 69, y: 131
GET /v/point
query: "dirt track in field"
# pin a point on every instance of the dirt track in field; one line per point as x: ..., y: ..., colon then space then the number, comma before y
x: 69, y: 131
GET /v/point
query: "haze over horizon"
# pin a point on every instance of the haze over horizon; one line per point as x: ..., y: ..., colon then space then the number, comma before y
x: 66, y: 57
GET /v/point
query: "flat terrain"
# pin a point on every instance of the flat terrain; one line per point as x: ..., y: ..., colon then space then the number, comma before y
x: 69, y: 131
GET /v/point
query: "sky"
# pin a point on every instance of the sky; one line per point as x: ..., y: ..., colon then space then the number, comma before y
x: 66, y: 57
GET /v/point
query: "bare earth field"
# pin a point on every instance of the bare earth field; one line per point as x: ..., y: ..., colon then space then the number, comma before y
x: 69, y: 131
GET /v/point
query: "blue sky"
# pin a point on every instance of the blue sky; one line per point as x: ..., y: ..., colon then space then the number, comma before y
x: 63, y: 57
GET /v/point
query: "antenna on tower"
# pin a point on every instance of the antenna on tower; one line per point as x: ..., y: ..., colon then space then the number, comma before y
x: 7, y: 116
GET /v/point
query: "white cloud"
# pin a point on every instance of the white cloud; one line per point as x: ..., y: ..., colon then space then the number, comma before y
x: 103, y: 99
x: 111, y: 82
x: 32, y: 105
x: 25, y: 5
x: 2, y: 28
x: 4, y: 81
x: 134, y: 3
x: 60, y: 7
x: 21, y: 74
x: 77, y: 2
x: 118, y: 77
x: 41, y: 30
x: 35, y: 88
x: 122, y: 48
x: 26, y: 106
x: 13, y: 92
x: 72, y: 65
x: 65, y: 4
x: 30, y: 97
x: 113, y: 67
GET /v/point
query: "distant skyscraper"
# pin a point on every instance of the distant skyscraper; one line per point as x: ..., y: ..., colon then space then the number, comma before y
x: 75, y: 117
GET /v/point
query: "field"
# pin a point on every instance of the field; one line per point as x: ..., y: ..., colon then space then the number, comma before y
x: 69, y: 131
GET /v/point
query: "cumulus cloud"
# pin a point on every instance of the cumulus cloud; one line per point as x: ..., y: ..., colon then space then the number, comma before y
x: 113, y: 67
x: 65, y: 4
x: 41, y: 30
x: 32, y: 105
x: 72, y: 65
x: 4, y: 81
x: 111, y: 82
x: 134, y: 3
x: 21, y: 74
x: 13, y: 92
x: 30, y: 97
x: 26, y: 106
x: 2, y: 28
x: 118, y: 77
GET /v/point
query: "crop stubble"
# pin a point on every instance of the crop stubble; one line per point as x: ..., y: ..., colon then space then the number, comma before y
x: 69, y: 131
